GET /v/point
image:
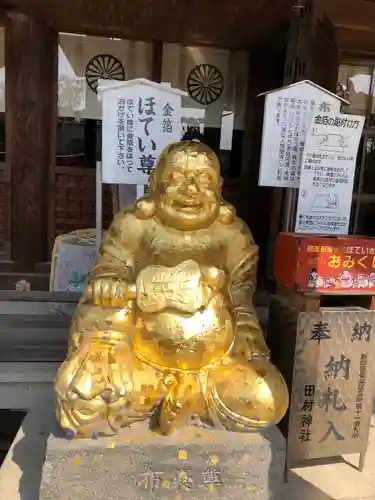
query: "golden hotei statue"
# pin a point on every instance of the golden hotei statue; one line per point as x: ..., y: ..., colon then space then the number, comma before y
x: 166, y: 327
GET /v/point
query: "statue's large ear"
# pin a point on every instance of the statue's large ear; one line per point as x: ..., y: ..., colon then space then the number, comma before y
x: 144, y: 208
x: 227, y: 213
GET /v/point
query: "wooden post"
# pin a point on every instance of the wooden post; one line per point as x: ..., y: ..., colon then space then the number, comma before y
x: 99, y: 204
x: 31, y: 113
x: 157, y: 61
x: 262, y: 76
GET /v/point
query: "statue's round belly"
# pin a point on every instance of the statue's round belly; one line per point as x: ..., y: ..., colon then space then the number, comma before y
x: 174, y: 340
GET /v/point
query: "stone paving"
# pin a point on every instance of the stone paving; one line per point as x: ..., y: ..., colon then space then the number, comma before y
x: 335, y: 479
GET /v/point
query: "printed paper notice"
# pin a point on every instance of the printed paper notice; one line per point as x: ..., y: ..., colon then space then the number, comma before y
x: 327, y: 174
x: 287, y: 119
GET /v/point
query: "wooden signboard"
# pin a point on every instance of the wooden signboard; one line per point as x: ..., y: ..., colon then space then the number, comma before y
x: 334, y: 369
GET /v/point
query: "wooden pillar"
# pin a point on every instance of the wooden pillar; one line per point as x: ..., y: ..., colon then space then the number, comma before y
x: 31, y: 111
x: 90, y: 143
x: 266, y: 73
x: 157, y: 61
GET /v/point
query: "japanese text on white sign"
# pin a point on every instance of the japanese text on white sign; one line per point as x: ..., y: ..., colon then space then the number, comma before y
x: 287, y: 119
x: 327, y: 175
x: 139, y: 121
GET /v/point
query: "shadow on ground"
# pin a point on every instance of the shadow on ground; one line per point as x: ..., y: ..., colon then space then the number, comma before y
x: 299, y: 489
x: 30, y: 451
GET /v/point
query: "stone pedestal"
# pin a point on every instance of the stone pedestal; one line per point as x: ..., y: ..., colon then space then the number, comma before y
x: 195, y: 463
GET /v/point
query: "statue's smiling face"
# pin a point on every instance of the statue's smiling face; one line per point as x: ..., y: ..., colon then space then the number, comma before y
x: 188, y: 187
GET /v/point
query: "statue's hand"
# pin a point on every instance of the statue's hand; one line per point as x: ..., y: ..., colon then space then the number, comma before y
x: 109, y: 291
x: 250, y: 346
x: 257, y: 348
x: 213, y: 277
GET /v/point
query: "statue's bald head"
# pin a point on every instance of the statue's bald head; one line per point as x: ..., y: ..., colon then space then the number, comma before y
x: 187, y: 155
x: 186, y: 185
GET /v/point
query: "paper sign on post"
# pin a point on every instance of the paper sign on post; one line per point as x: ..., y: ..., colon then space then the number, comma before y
x: 327, y: 174
x: 140, y: 118
x: 287, y: 118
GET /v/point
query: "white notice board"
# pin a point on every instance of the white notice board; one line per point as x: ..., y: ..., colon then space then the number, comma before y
x: 327, y: 176
x: 287, y: 119
x: 140, y: 118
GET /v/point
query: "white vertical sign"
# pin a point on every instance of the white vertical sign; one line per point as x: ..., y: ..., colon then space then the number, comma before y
x: 140, y: 118
x: 71, y: 96
x: 327, y: 176
x: 287, y: 119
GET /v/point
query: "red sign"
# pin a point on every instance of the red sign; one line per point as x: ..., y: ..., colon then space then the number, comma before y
x: 336, y: 267
x: 325, y: 264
